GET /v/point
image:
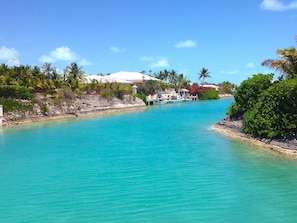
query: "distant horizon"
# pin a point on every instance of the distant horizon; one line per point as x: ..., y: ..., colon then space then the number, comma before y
x: 229, y: 38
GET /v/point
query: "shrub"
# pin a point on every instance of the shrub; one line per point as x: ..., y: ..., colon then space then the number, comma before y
x: 142, y: 96
x: 43, y: 108
x: 274, y: 115
x: 107, y: 94
x: 196, y: 89
x: 119, y: 93
x: 226, y: 88
x: 17, y: 92
x: 14, y: 105
x: 248, y: 93
x: 209, y: 94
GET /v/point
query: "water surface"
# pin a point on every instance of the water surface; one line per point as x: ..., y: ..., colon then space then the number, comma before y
x: 159, y: 165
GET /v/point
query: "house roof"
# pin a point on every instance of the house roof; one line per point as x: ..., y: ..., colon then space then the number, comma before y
x: 135, y: 77
x: 106, y: 79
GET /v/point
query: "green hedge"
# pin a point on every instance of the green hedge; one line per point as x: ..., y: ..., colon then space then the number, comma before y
x: 15, y: 92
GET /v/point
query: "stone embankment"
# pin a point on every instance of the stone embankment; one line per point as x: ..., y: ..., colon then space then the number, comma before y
x: 50, y: 109
x: 233, y: 129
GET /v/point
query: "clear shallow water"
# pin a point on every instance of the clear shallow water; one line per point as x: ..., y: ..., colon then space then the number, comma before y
x: 159, y: 165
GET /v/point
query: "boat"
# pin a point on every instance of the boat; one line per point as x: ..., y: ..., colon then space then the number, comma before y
x: 161, y: 102
x: 176, y: 100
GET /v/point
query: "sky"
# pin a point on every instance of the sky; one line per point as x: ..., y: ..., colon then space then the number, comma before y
x: 230, y: 38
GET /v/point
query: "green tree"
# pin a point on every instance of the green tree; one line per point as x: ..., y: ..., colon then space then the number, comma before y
x: 204, y: 73
x: 48, y: 70
x: 286, y: 64
x: 226, y: 87
x: 209, y: 94
x: 73, y: 75
x: 182, y: 82
x: 248, y: 93
x: 274, y: 115
x: 172, y: 78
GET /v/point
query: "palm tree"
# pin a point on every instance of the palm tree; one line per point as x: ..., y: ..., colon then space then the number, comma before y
x: 204, y: 73
x: 182, y: 82
x: 286, y: 65
x: 172, y: 77
x: 166, y: 75
x: 5, y: 77
x: 48, y: 70
x: 74, y: 74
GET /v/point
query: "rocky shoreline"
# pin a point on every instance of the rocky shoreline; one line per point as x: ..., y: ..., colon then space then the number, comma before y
x: 233, y: 129
x: 88, y: 105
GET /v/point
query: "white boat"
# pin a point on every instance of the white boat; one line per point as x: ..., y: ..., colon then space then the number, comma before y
x: 161, y: 102
x: 179, y: 99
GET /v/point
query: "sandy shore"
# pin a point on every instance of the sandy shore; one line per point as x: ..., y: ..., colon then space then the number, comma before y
x: 233, y: 129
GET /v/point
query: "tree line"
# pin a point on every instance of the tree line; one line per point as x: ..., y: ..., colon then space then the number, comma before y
x: 41, y: 79
x: 46, y: 79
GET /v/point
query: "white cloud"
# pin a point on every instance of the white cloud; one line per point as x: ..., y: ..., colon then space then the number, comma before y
x: 146, y: 58
x: 63, y: 53
x: 250, y: 65
x: 8, y: 53
x: 187, y: 43
x: 155, y: 61
x: 277, y: 5
x: 13, y: 62
x: 46, y: 59
x: 162, y: 62
x: 116, y: 49
x: 84, y: 62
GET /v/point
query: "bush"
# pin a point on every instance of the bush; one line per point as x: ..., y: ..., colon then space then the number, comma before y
x: 209, y: 94
x: 119, y: 93
x: 107, y: 94
x: 226, y: 88
x: 248, y: 93
x: 142, y: 96
x: 13, y: 105
x: 274, y: 115
x: 43, y: 108
x: 196, y: 89
x: 16, y: 92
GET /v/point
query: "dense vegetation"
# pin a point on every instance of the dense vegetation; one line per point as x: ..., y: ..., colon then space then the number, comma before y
x: 204, y: 93
x: 19, y: 84
x: 268, y: 108
x: 274, y: 114
x: 248, y: 92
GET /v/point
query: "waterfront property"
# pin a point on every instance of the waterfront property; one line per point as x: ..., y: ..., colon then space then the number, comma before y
x: 170, y: 96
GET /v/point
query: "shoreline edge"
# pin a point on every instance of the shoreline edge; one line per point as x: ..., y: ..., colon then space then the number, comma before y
x: 233, y: 130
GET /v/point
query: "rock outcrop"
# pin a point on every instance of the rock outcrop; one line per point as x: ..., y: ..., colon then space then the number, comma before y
x: 49, y: 107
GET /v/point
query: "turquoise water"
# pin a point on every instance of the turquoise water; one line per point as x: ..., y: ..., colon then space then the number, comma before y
x: 158, y: 165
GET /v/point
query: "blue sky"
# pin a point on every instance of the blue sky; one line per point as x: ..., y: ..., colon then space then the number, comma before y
x: 228, y: 37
